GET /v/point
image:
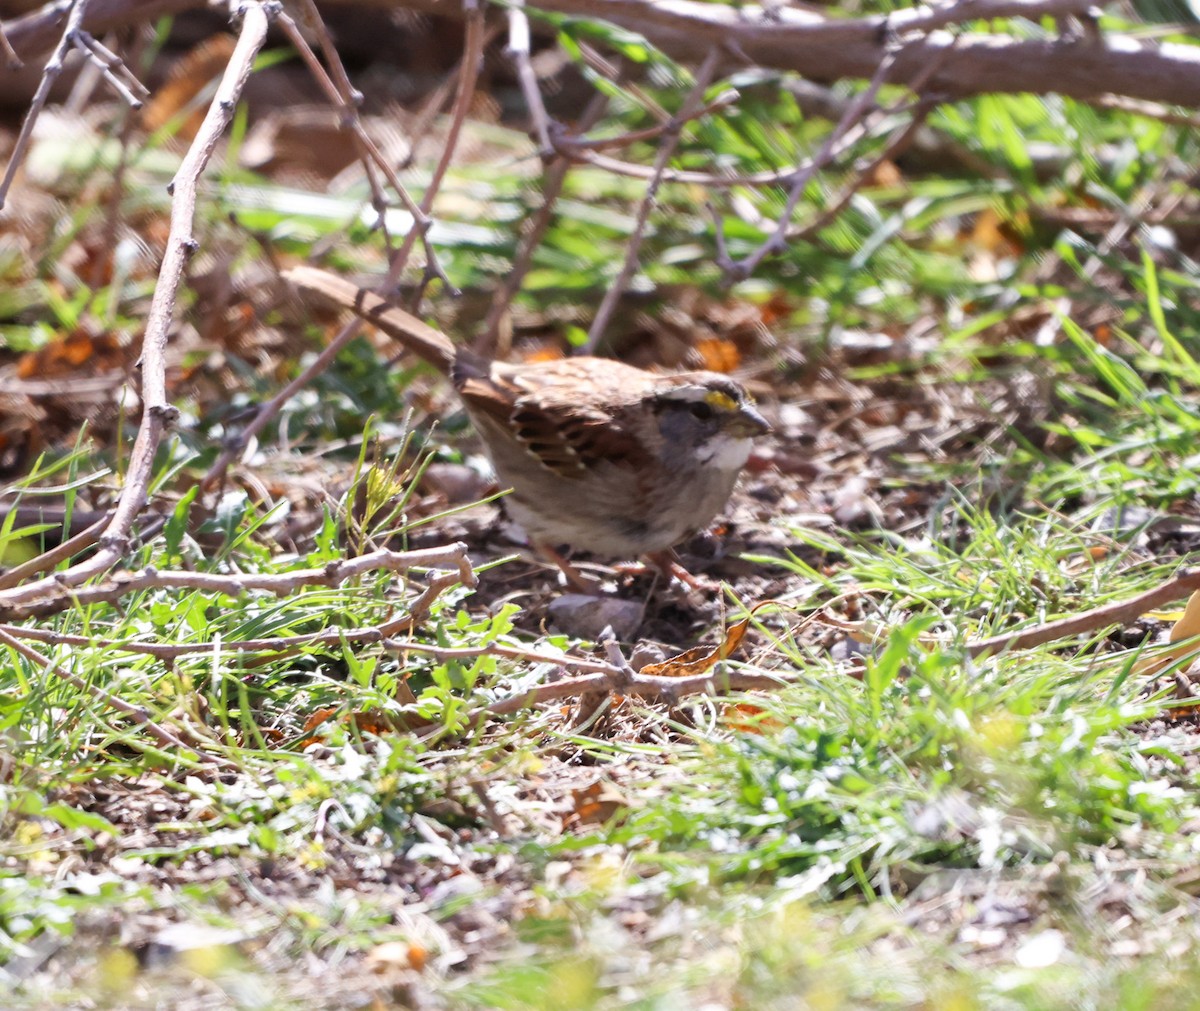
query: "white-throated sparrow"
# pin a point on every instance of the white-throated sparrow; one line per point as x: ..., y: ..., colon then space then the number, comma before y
x: 600, y: 456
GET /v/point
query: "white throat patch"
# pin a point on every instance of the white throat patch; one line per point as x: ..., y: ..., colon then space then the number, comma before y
x: 724, y: 453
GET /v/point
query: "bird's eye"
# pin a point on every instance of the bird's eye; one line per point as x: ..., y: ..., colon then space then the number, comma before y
x: 701, y: 410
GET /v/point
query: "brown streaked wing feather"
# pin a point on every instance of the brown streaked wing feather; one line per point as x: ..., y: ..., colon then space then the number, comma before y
x: 569, y: 438
x: 545, y: 407
x: 483, y: 394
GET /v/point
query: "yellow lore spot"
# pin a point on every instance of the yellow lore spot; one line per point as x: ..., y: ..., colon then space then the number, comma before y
x: 720, y: 401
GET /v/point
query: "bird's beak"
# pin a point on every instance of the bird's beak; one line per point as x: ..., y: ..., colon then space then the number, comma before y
x: 748, y: 423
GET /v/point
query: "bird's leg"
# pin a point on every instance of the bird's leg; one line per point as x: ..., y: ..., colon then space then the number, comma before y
x: 667, y: 563
x: 573, y: 576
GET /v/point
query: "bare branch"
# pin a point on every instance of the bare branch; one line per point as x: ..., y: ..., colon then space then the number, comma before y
x: 11, y: 58
x: 518, y: 49
x: 37, y: 31
x: 552, y: 185
x: 855, y: 114
x: 344, y: 97
x: 1151, y: 110
x: 1185, y: 583
x: 54, y: 67
x: 774, y: 177
x: 158, y: 414
x: 822, y: 49
x: 672, y: 133
x: 339, y: 91
x: 899, y: 140
x: 642, y: 685
x: 473, y: 45
x: 61, y: 552
x: 565, y: 142
x: 120, y: 78
x: 139, y: 715
x: 418, y: 608
x: 236, y: 584
x: 828, y: 49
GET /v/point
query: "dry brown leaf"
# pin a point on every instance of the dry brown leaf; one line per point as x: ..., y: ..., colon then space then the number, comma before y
x: 1184, y: 632
x: 596, y: 804
x: 750, y: 719
x: 986, y: 233
x: 397, y: 955
x: 65, y: 355
x: 700, y: 659
x: 366, y: 721
x: 188, y: 78
x: 317, y: 717
x: 886, y: 173
x: 542, y: 352
x: 718, y: 355
x: 775, y: 308
x: 863, y: 631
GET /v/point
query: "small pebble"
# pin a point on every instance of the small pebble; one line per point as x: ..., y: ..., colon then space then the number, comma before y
x: 586, y: 617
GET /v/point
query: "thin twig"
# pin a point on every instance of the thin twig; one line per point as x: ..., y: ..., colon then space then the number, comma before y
x: 854, y: 116
x: 60, y: 552
x: 572, y: 143
x: 346, y: 100
x: 235, y: 584
x: 310, y: 18
x: 672, y: 133
x: 11, y: 59
x: 340, y: 92
x: 774, y: 177
x: 116, y: 193
x: 417, y: 611
x: 113, y: 69
x: 341, y: 96
x: 1151, y: 110
x: 552, y: 184
x: 493, y: 649
x: 614, y: 674
x: 54, y: 67
x: 1116, y: 613
x: 613, y: 71
x: 642, y: 685
x: 136, y: 713
x: 473, y: 47
x: 519, y: 48
x: 235, y: 446
x: 899, y: 140
x: 158, y: 414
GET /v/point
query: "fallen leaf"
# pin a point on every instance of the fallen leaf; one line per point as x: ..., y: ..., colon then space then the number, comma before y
x: 187, y: 80
x: 64, y: 355
x: 718, y: 355
x: 775, y: 308
x: 1184, y: 632
x: 542, y: 352
x: 597, y: 804
x: 886, y: 173
x: 398, y: 955
x: 701, y: 659
x: 748, y: 718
